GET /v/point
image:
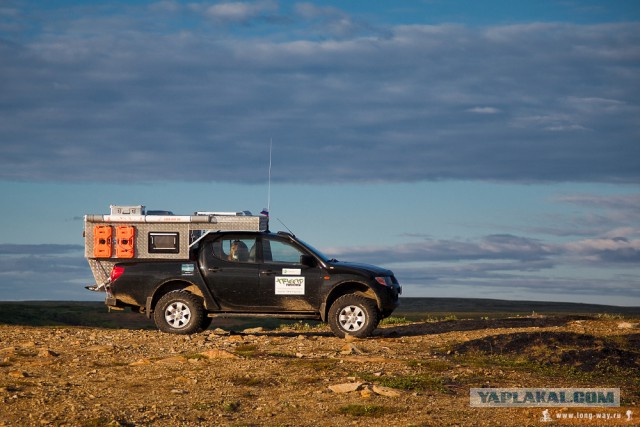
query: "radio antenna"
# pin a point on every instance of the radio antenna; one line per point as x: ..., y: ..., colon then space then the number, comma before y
x: 269, y: 189
x: 266, y: 210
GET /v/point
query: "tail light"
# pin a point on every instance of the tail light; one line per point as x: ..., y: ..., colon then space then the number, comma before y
x: 116, y: 272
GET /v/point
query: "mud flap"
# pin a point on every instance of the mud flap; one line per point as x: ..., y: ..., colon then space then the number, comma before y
x: 323, y: 311
x: 147, y: 307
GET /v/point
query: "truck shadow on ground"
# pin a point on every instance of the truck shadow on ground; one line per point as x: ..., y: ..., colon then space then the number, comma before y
x: 430, y: 328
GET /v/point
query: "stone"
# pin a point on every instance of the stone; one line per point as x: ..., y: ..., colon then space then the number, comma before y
x: 627, y: 325
x: 18, y: 374
x: 218, y: 354
x: 141, y: 362
x: 345, y: 387
x: 45, y: 352
x: 173, y: 359
x: 386, y: 391
x: 366, y: 392
x: 350, y: 348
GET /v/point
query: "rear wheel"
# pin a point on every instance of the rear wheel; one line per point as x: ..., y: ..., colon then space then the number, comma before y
x: 180, y: 312
x: 353, y: 315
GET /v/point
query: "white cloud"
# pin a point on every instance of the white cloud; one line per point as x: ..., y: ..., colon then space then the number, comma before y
x: 240, y: 11
x: 484, y: 110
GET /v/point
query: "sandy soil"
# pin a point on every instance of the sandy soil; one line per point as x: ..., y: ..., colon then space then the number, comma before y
x: 410, y: 374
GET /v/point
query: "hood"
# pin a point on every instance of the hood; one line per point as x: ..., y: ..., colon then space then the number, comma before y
x: 361, y: 268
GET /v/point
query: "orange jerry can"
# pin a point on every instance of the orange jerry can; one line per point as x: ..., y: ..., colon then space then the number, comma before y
x: 125, y: 241
x: 102, y: 241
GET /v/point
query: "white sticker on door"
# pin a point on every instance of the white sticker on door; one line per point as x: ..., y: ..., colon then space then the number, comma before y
x: 291, y: 271
x: 289, y: 285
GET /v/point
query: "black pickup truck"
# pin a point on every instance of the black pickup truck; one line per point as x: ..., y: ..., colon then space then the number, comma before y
x: 255, y: 274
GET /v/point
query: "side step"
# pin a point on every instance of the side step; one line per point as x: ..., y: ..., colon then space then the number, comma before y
x: 304, y: 315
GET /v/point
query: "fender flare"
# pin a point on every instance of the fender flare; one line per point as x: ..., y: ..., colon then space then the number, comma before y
x: 175, y: 284
x: 344, y: 288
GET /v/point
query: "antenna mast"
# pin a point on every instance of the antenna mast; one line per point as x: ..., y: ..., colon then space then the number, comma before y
x: 269, y: 188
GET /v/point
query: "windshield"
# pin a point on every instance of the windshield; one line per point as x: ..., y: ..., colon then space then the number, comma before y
x: 316, y: 252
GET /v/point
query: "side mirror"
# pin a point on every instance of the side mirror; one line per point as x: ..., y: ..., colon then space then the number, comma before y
x: 307, y: 261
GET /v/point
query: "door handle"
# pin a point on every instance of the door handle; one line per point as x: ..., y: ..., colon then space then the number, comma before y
x: 269, y: 272
x: 214, y: 269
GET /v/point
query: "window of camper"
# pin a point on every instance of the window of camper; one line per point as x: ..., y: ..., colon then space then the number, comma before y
x: 164, y: 243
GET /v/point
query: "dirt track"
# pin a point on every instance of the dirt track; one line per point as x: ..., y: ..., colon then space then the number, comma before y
x: 413, y: 374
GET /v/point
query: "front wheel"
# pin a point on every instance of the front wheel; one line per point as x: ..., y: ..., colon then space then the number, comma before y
x: 179, y: 312
x: 353, y: 315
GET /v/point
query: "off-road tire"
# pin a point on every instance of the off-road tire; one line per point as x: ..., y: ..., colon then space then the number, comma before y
x: 354, y: 315
x: 179, y: 312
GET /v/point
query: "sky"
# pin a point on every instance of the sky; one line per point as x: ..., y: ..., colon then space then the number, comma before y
x: 478, y: 149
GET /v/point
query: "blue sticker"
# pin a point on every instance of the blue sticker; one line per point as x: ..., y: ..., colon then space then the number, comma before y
x: 188, y: 269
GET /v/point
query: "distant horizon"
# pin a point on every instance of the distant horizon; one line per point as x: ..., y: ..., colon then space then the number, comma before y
x: 401, y: 298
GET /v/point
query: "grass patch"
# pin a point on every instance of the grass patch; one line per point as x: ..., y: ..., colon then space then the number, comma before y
x: 559, y: 357
x: 446, y: 318
x: 394, y: 320
x: 203, y: 406
x: 308, y: 380
x: 315, y: 364
x: 566, y: 349
x: 421, y: 382
x: 247, y: 350
x: 609, y: 316
x: 366, y: 410
x: 281, y: 354
x: 248, y: 381
x: 301, y: 326
x: 105, y: 422
x: 433, y: 365
x: 231, y: 406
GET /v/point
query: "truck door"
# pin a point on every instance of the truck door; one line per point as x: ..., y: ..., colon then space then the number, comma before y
x: 230, y: 270
x: 285, y: 282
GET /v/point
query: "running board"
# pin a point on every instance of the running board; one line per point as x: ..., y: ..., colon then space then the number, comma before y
x: 269, y: 315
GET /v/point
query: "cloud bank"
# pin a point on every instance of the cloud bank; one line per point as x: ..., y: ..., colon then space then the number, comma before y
x: 44, y: 272
x: 603, y: 265
x: 194, y: 92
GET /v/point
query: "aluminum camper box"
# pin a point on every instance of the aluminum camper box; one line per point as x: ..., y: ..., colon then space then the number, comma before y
x: 129, y: 233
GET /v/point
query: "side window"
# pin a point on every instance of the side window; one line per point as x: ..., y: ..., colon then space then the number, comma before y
x: 280, y: 251
x: 235, y: 249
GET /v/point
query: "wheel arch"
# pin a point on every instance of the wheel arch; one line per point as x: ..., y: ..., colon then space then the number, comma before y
x: 171, y: 286
x: 346, y: 288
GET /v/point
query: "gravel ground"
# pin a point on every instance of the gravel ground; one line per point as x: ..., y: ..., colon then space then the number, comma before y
x: 408, y: 374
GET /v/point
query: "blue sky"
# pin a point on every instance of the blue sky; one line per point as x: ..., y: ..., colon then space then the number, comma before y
x: 479, y: 149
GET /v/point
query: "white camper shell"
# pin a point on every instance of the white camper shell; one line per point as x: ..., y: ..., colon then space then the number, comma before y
x: 130, y: 233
